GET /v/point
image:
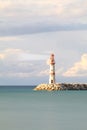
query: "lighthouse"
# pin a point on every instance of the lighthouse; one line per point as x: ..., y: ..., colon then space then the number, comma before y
x: 52, y: 69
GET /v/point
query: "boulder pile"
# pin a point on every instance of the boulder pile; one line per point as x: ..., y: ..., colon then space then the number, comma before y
x: 61, y: 86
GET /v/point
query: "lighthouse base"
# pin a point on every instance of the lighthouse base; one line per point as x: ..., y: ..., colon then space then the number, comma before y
x: 61, y: 86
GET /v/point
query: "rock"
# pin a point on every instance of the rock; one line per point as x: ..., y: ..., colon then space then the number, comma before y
x: 62, y: 86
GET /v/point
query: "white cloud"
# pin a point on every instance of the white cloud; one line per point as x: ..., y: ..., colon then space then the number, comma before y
x: 43, y: 72
x: 10, y: 55
x: 15, y: 74
x: 4, y: 4
x: 79, y: 68
x: 20, y: 63
x: 60, y: 71
x: 6, y: 39
x: 57, y: 9
x: 27, y: 57
x: 2, y: 56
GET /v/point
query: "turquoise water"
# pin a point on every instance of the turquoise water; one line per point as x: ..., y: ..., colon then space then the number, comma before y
x: 21, y: 108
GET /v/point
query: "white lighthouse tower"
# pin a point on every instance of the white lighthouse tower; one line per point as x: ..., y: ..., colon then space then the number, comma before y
x: 52, y: 69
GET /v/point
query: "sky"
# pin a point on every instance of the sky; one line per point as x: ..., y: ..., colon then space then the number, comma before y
x: 30, y: 30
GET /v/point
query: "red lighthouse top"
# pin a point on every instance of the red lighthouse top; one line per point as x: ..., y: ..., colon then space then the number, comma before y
x: 52, y: 61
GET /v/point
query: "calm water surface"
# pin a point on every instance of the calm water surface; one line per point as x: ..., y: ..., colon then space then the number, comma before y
x: 21, y: 108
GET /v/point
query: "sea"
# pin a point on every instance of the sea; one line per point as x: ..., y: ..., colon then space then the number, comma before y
x: 22, y: 108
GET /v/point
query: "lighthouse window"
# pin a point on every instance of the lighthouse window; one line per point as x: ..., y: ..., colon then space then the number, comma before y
x: 51, y: 81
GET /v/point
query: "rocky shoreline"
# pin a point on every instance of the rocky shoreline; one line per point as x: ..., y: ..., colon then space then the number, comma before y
x: 61, y: 86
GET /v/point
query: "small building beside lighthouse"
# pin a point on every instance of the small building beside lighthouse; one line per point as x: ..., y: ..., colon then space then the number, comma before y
x: 52, y: 69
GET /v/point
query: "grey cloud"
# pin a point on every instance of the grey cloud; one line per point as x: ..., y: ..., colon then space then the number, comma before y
x: 27, y: 29
x: 20, y: 17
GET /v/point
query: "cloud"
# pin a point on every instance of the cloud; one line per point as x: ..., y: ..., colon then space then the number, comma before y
x: 10, y: 55
x: 43, y: 72
x: 57, y: 8
x: 31, y: 57
x: 20, y: 63
x: 15, y: 75
x: 41, y: 7
x: 79, y: 68
x: 59, y: 71
x: 2, y: 56
x: 8, y: 38
x: 4, y: 4
x: 30, y: 16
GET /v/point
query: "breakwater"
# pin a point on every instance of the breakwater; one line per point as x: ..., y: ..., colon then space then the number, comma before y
x: 61, y: 86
